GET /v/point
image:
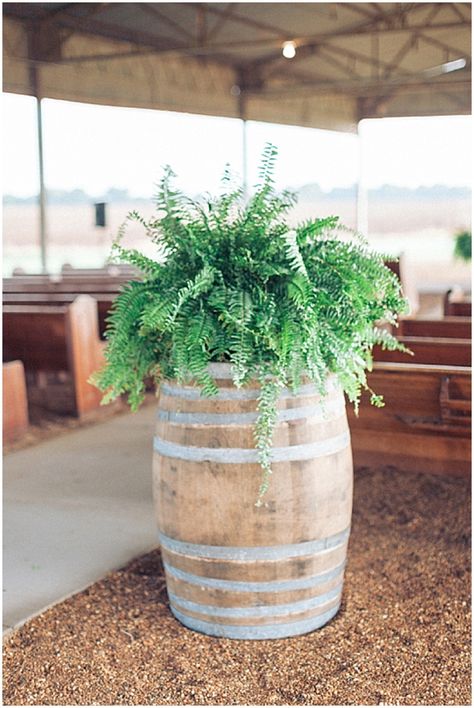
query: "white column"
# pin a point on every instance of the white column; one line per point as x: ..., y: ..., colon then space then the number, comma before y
x: 243, y: 117
x: 35, y: 90
x: 245, y: 185
x: 362, y: 192
x: 42, y: 189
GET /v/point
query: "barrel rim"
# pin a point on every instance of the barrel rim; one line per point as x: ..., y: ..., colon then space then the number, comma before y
x: 222, y: 371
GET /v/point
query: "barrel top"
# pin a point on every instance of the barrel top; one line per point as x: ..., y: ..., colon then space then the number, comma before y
x: 224, y: 370
x: 222, y: 374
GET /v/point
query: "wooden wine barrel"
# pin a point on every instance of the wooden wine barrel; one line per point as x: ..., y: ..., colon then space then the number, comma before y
x: 233, y: 569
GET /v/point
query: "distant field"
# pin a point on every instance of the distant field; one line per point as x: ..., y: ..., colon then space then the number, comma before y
x: 422, y: 229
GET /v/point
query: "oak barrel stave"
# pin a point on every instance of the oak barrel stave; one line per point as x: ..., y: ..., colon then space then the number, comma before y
x: 234, y: 569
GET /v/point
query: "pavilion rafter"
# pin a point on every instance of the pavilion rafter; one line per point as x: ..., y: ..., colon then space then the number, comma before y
x: 152, y: 10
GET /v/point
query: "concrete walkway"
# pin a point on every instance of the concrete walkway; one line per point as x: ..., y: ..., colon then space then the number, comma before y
x: 75, y: 507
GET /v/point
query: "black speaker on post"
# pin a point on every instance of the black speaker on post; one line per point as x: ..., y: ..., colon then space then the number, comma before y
x: 100, y: 218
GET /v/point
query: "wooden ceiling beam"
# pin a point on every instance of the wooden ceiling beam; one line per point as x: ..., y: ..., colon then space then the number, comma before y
x: 50, y: 15
x: 365, y: 59
x: 222, y: 20
x: 442, y: 45
x: 410, y: 43
x: 454, y: 8
x: 152, y: 10
x: 357, y: 8
x: 338, y: 64
x: 201, y: 24
x: 116, y: 32
x: 367, y: 89
x: 248, y: 21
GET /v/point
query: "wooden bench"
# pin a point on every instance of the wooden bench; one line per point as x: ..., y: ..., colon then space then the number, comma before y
x: 104, y: 303
x: 425, y: 423
x: 64, y: 284
x: 60, y: 348
x: 402, y: 271
x: 15, y: 403
x: 456, y: 304
x: 113, y: 269
x: 446, y: 328
x: 429, y: 350
x: 42, y: 289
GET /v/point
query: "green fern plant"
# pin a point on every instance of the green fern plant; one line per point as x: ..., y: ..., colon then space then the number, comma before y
x: 463, y: 246
x: 234, y: 282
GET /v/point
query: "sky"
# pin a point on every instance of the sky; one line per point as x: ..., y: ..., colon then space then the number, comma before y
x: 95, y: 148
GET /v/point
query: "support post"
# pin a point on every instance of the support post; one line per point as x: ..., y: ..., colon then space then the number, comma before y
x: 242, y: 114
x: 362, y: 193
x: 245, y: 158
x: 42, y: 188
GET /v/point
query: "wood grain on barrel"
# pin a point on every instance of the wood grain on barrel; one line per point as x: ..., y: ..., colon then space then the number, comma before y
x: 234, y: 569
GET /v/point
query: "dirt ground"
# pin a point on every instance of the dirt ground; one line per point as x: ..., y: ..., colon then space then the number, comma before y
x: 402, y: 635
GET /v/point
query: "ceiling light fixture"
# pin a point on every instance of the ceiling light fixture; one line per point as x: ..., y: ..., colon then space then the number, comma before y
x: 447, y: 67
x: 288, y: 50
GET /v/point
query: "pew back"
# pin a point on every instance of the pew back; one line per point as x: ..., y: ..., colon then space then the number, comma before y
x: 57, y: 340
x: 15, y: 405
x: 456, y: 304
x: 45, y: 284
x: 448, y: 327
x: 425, y: 423
x: 429, y: 350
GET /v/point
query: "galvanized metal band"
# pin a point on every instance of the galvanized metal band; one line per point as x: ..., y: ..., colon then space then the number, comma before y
x: 239, y: 455
x: 324, y: 411
x: 192, y: 393
x: 256, y: 612
x: 246, y: 586
x: 254, y: 553
x: 267, y: 631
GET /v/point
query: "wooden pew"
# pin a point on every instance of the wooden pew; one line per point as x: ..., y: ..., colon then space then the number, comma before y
x: 64, y: 284
x: 429, y: 350
x: 425, y: 423
x: 402, y: 270
x: 43, y: 289
x: 113, y: 269
x: 448, y: 327
x: 104, y: 303
x: 463, y: 308
x: 15, y: 404
x: 60, y: 349
x: 456, y: 304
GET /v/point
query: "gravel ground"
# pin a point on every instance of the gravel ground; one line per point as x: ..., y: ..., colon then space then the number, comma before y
x: 401, y: 637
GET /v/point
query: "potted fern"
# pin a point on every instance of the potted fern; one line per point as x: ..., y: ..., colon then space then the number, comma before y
x: 252, y: 331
